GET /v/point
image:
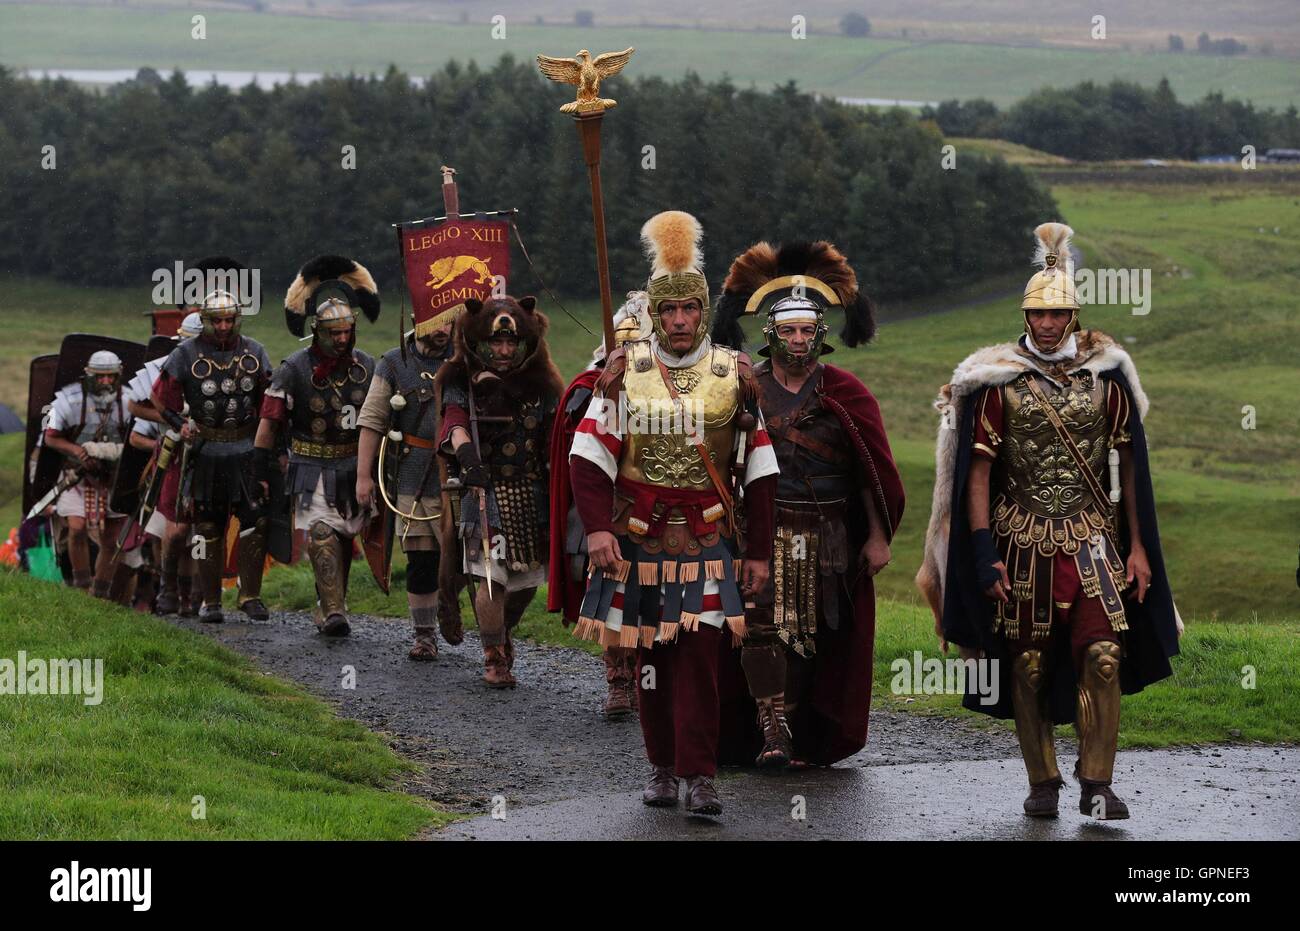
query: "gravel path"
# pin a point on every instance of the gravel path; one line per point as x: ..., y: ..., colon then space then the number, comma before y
x: 566, y: 772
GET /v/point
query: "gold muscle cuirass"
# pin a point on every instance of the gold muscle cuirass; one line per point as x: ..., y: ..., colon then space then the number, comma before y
x: 1044, y: 503
x: 1039, y: 473
x: 656, y: 447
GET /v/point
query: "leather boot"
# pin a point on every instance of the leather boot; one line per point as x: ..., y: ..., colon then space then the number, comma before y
x: 496, y: 671
x: 119, y: 587
x: 508, y: 648
x: 661, y: 790
x: 701, y: 797
x: 207, y: 574
x: 618, y: 696
x: 426, y: 644
x: 777, y: 750
x: 185, y: 596
x: 325, y: 550
x: 1097, y: 799
x: 1042, y: 799
x: 168, y: 600
x: 146, y: 581
x: 252, y: 562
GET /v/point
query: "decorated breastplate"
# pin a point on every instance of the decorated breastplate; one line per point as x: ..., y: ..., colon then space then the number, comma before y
x: 1039, y: 473
x: 656, y: 447
x: 512, y: 449
x: 223, y: 388
x: 325, y: 410
x: 1046, y: 508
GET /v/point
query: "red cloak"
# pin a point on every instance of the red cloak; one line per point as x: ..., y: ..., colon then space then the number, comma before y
x: 562, y: 593
x: 832, y: 724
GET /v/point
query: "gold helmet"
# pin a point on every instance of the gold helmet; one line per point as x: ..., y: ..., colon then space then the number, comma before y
x: 672, y: 243
x: 1052, y: 288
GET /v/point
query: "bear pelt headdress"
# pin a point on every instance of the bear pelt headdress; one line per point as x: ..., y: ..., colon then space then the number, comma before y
x: 535, y: 375
x: 764, y: 274
x: 327, y: 273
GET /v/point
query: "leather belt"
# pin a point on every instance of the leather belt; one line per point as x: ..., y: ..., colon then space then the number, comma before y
x: 228, y: 434
x: 322, y: 450
x: 419, y: 442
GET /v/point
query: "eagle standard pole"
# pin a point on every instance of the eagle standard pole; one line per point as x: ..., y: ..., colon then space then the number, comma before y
x: 589, y: 132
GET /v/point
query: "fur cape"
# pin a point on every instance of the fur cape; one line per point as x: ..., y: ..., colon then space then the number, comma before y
x: 536, y: 376
x: 945, y: 578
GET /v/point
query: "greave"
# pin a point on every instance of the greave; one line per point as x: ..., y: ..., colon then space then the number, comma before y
x: 252, y: 560
x: 208, y: 574
x: 1097, y: 711
x: 325, y: 550
x: 1029, y: 694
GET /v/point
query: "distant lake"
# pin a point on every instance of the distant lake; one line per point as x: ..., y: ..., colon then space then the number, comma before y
x: 268, y: 79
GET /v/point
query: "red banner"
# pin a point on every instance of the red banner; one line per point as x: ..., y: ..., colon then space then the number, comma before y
x: 450, y: 263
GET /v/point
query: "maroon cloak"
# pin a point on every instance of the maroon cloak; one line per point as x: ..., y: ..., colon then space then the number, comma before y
x: 562, y: 593
x: 832, y: 723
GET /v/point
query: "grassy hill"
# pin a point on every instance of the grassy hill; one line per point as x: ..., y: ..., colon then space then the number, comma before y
x: 180, y: 717
x: 893, y: 68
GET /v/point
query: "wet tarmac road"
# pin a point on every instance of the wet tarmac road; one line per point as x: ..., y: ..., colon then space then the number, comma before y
x: 544, y: 757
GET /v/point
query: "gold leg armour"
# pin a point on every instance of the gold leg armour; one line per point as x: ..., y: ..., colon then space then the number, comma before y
x: 1033, y: 722
x: 1097, y: 712
x: 325, y: 550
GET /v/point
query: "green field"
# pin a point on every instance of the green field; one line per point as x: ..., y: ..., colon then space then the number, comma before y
x: 63, y: 37
x: 180, y: 717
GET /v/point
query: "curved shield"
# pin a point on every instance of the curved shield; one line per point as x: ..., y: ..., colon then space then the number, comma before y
x: 157, y: 347
x: 41, y: 385
x: 130, y: 479
x: 74, y: 353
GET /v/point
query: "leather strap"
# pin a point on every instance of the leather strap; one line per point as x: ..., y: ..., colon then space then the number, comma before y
x: 698, y: 442
x: 410, y: 439
x: 816, y: 447
x: 1103, y: 499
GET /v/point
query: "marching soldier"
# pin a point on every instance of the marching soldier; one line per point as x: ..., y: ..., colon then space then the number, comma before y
x: 1042, y: 554
x: 671, y: 439
x: 88, y: 424
x: 399, y: 419
x: 210, y: 391
x: 498, y: 397
x: 839, y: 498
x: 317, y: 394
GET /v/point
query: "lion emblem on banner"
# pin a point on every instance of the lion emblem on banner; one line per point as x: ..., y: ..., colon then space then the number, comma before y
x: 448, y: 269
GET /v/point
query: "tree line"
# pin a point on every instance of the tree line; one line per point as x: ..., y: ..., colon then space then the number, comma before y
x: 1122, y: 120
x: 152, y: 171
